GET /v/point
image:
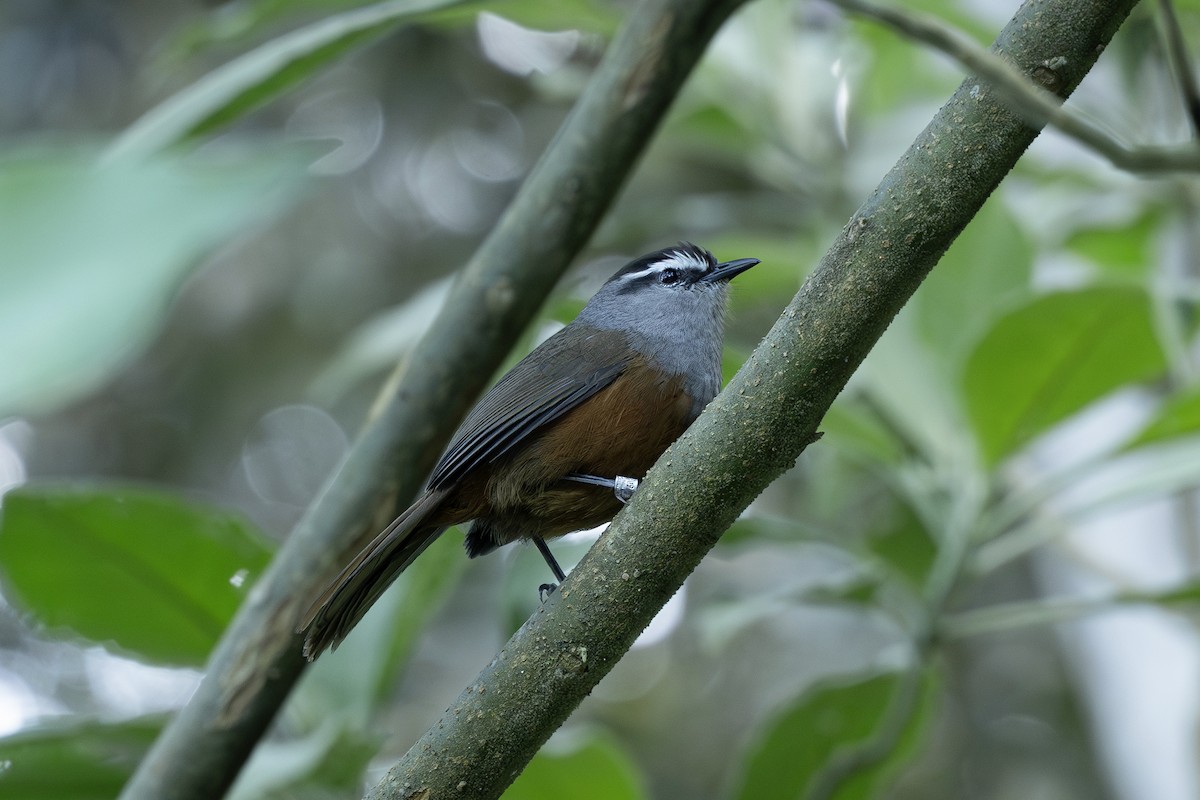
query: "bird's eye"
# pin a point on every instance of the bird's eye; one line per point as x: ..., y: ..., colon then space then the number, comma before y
x: 669, y: 276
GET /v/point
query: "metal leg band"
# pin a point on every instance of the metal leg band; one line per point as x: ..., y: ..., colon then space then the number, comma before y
x: 622, y: 487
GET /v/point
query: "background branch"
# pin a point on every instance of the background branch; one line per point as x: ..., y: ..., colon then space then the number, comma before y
x: 1032, y: 95
x: 258, y: 659
x: 1181, y: 63
x: 756, y: 428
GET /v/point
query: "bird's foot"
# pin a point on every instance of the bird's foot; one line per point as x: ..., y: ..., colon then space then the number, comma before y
x: 622, y: 486
x: 547, y: 589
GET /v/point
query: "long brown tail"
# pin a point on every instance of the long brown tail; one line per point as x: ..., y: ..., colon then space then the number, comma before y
x: 356, y: 588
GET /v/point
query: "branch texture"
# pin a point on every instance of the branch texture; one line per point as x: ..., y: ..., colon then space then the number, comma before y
x: 757, y: 427
x: 258, y: 660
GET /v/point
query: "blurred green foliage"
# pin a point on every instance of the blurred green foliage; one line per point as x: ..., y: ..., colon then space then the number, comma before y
x: 153, y: 575
x: 826, y: 729
x: 102, y: 249
x: 592, y: 768
x: 86, y: 761
x: 1052, y: 357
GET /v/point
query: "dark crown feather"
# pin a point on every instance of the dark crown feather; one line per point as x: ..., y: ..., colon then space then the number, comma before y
x: 683, y: 248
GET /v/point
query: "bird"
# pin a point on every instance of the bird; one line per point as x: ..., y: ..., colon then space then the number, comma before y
x: 562, y: 439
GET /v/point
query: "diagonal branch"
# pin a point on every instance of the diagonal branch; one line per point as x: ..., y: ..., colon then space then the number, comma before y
x: 258, y: 660
x: 757, y: 427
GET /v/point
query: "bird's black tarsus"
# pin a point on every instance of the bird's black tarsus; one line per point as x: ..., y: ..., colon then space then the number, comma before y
x: 544, y: 549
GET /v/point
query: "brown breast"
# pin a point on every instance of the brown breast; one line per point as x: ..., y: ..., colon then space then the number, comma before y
x: 621, y: 430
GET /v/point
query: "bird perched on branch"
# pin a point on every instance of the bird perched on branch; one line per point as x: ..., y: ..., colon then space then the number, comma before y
x: 563, y: 438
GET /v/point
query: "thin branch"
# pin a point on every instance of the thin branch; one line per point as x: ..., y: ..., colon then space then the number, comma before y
x: 1181, y: 64
x: 755, y: 429
x: 258, y: 659
x: 1033, y: 99
x: 1019, y: 615
x: 1008, y: 616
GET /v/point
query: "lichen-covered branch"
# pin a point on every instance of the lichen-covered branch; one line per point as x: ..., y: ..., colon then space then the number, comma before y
x: 757, y: 427
x: 258, y: 659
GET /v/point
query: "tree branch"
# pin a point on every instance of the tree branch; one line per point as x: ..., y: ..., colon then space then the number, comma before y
x: 1031, y: 98
x: 1181, y: 64
x: 258, y: 659
x: 756, y: 428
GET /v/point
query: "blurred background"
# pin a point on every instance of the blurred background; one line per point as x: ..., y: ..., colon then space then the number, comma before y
x: 980, y: 583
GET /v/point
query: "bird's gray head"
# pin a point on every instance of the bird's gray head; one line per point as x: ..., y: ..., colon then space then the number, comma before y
x: 671, y: 304
x: 677, y: 288
x: 682, y: 268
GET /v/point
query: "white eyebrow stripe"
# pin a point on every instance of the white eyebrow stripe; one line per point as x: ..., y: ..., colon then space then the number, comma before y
x: 632, y: 276
x: 677, y: 260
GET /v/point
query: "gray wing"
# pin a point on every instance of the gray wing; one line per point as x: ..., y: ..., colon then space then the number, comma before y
x: 566, y: 369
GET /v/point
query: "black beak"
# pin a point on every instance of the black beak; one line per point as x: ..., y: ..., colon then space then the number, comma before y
x: 729, y: 270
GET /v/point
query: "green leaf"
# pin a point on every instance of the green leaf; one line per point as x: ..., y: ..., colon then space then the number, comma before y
x: 846, y: 738
x: 988, y: 265
x: 905, y: 545
x: 1123, y: 251
x: 239, y: 24
x: 1180, y: 416
x: 240, y: 21
x: 896, y: 72
x: 901, y: 70
x: 1053, y: 356
x: 90, y: 256
x: 156, y: 576
x: 79, y: 760
x: 595, y: 770
x: 264, y: 73
x: 874, y: 772
x: 711, y: 128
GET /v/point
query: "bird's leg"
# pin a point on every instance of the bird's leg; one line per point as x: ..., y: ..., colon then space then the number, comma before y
x: 622, y: 487
x: 547, y: 589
